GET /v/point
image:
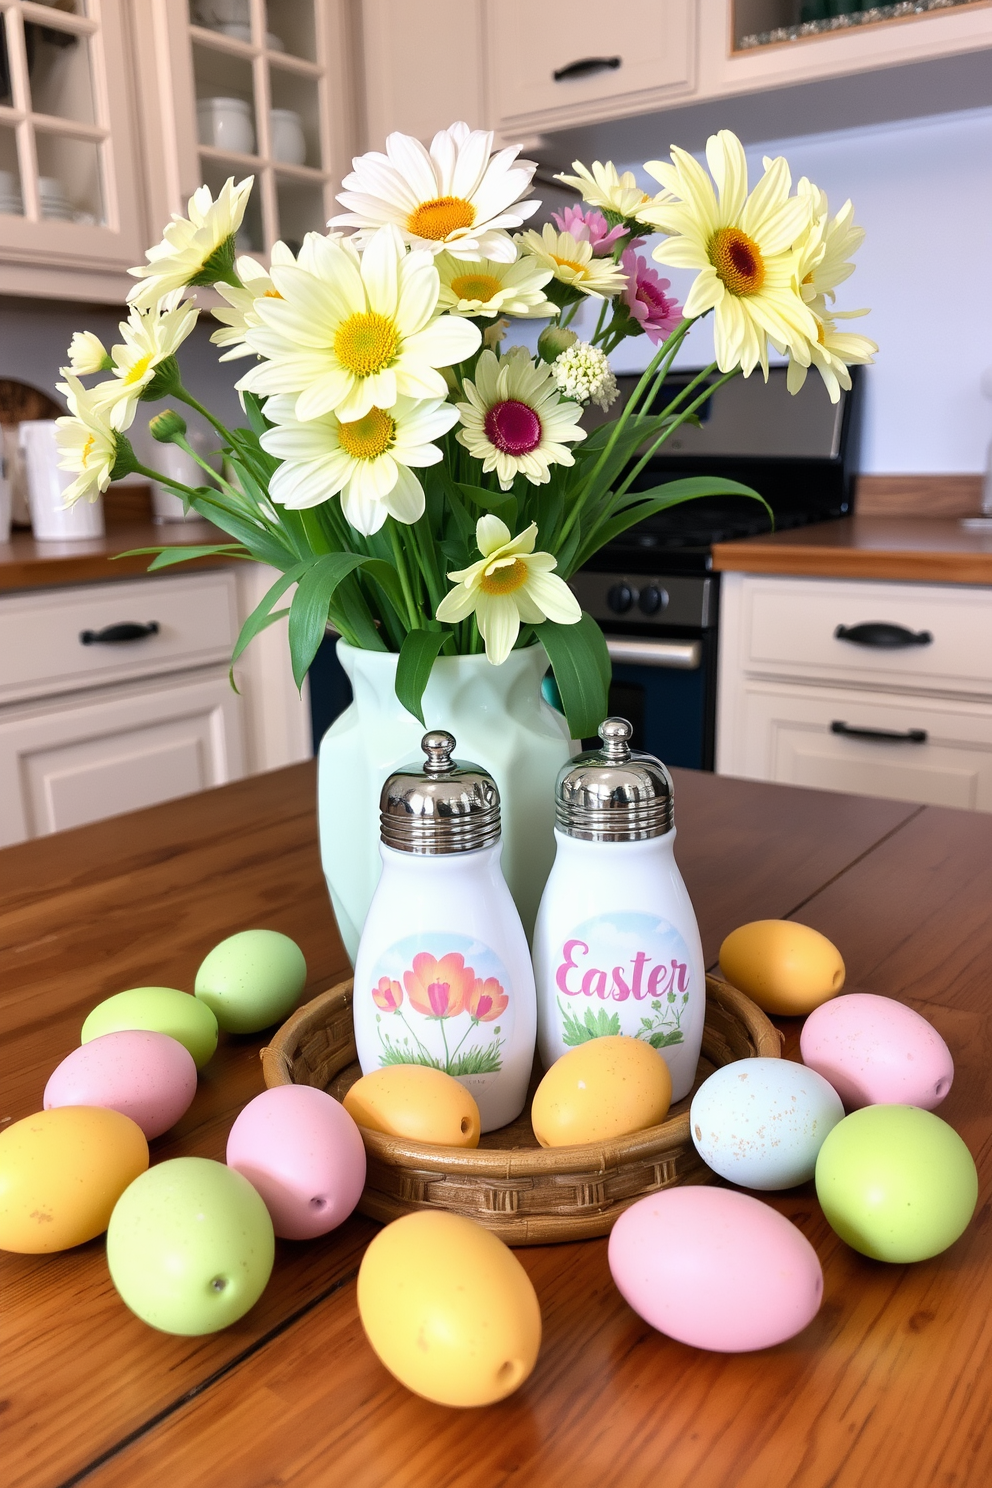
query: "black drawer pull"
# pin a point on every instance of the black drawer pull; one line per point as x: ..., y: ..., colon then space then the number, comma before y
x: 585, y: 67
x: 883, y: 635
x: 891, y: 736
x: 113, y: 635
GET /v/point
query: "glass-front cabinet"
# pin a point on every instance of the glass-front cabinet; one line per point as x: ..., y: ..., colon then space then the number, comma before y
x: 70, y: 213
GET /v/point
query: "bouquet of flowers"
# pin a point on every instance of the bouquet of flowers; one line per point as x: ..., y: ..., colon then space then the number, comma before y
x: 423, y: 484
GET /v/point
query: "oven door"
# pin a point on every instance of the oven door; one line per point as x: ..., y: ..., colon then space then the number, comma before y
x: 666, y: 686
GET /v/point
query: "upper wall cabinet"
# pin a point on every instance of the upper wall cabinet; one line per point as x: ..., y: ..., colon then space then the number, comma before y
x: 560, y: 63
x: 423, y: 67
x: 70, y: 216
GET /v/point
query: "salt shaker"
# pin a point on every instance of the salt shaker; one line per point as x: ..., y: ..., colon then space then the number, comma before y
x: 616, y: 945
x: 443, y: 975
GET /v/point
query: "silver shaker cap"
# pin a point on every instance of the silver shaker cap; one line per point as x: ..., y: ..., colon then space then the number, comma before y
x: 614, y: 794
x: 444, y: 806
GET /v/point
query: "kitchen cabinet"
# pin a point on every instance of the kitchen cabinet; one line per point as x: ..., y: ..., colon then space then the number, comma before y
x: 423, y: 67
x: 71, y: 220
x: 880, y: 689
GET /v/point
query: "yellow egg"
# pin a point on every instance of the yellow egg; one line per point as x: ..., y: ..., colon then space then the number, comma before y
x: 61, y: 1173
x: 415, y: 1101
x: 449, y: 1309
x: 784, y: 967
x: 605, y: 1088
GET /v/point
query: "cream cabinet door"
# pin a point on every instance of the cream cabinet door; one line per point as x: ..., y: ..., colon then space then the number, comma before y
x: 116, y: 749
x: 424, y: 67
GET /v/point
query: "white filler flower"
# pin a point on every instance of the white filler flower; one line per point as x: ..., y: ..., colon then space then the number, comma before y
x: 85, y: 441
x: 514, y: 420
x: 150, y: 337
x: 511, y: 585
x: 583, y: 373
x: 353, y: 333
x: 368, y: 459
x: 196, y: 249
x: 458, y: 195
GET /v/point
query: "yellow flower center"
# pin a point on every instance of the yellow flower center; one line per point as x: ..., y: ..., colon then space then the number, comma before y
x: 272, y: 294
x: 366, y: 342
x: 87, y: 451
x: 369, y: 437
x: 137, y: 370
x: 436, y: 219
x: 569, y: 263
x: 504, y: 576
x: 476, y: 287
x: 737, y: 260
x: 821, y: 340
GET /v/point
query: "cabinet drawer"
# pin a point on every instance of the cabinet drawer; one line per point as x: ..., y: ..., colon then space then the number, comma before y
x: 41, y: 652
x: 787, y: 734
x: 788, y: 627
x: 530, y: 43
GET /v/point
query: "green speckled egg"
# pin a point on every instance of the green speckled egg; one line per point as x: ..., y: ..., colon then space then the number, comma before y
x: 252, y: 980
x: 160, y: 1010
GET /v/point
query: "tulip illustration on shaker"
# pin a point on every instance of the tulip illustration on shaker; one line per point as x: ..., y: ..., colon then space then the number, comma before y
x: 440, y: 990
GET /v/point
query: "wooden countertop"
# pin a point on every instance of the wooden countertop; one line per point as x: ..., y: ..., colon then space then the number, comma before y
x: 927, y: 550
x: 26, y: 563
x: 889, y: 1387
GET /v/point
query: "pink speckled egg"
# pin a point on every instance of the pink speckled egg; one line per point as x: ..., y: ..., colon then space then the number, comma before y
x: 147, y: 1076
x: 304, y: 1154
x: 877, y: 1052
x: 715, y: 1269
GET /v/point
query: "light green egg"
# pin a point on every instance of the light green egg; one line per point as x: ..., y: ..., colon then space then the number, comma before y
x: 160, y: 1010
x: 896, y: 1183
x: 252, y: 980
x: 190, y: 1246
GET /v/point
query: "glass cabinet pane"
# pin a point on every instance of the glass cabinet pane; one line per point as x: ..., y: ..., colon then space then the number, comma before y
x: 69, y: 179
x: 295, y: 130
x: 225, y: 101
x: 291, y: 28
x: 229, y: 17
x: 11, y: 200
x: 301, y: 210
x: 59, y: 73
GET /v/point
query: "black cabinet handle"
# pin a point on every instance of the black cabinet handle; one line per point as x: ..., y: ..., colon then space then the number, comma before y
x: 585, y: 67
x: 910, y: 736
x: 113, y: 635
x: 883, y: 635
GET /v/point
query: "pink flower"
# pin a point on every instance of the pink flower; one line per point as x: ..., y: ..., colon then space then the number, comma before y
x: 439, y: 989
x: 588, y: 225
x: 487, y: 1000
x: 656, y: 313
x: 387, y: 995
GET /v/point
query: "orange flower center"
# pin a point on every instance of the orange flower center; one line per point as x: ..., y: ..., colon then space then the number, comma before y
x: 369, y: 437
x: 737, y: 260
x: 366, y: 342
x: 476, y: 287
x: 504, y: 576
x: 87, y: 451
x: 569, y: 263
x: 436, y: 219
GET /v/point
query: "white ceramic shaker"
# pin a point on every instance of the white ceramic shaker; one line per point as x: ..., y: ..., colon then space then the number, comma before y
x: 616, y: 945
x: 443, y: 975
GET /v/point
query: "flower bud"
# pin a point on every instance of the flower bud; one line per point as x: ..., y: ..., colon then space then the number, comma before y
x: 167, y: 427
x: 125, y: 460
x: 553, y: 340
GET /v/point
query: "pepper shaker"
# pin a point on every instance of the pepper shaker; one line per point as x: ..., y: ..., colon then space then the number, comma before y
x: 443, y: 975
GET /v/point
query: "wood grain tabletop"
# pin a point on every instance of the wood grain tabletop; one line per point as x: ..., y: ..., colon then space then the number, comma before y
x: 925, y: 550
x: 890, y: 1385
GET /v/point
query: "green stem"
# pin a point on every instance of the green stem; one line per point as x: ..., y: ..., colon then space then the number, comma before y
x: 473, y: 1024
x: 191, y: 402
x: 681, y: 418
x: 599, y: 323
x: 163, y: 480
x: 413, y: 614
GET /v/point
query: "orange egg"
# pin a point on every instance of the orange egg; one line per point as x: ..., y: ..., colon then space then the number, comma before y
x: 602, y: 1089
x: 784, y: 967
x: 415, y: 1101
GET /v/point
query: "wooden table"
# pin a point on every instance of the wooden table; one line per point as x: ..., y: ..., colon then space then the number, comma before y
x: 889, y: 1387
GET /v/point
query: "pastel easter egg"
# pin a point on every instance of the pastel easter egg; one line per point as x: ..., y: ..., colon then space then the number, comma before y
x: 303, y: 1153
x: 602, y: 1089
x: 252, y: 980
x: 761, y: 1122
x: 190, y: 1246
x: 158, y: 1010
x: 61, y: 1173
x: 876, y: 1051
x: 896, y: 1183
x: 415, y: 1101
x: 147, y: 1076
x: 449, y: 1309
x: 785, y: 967
x: 715, y: 1269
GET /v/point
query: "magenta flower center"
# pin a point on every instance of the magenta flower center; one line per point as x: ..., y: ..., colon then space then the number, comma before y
x: 483, y: 1005
x: 513, y: 428
x: 437, y: 996
x: 649, y: 294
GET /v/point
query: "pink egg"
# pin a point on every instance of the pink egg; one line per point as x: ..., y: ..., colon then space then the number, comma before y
x: 715, y: 1269
x: 304, y: 1154
x: 877, y: 1052
x: 147, y: 1076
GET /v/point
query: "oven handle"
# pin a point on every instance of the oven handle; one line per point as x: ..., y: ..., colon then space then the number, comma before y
x: 683, y: 656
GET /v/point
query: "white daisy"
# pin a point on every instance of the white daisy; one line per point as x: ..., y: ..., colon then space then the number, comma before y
x: 572, y: 261
x: 825, y: 252
x: 348, y: 334
x: 87, y: 354
x: 743, y: 247
x: 458, y: 195
x: 367, y: 460
x: 239, y: 313
x: 486, y: 287
x: 832, y: 353
x: 86, y: 442
x: 198, y: 249
x: 514, y: 420
x: 510, y: 585
x: 150, y: 337
x: 603, y: 186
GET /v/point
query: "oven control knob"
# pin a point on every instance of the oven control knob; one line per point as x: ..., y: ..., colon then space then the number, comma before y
x: 620, y: 598
x: 653, y: 599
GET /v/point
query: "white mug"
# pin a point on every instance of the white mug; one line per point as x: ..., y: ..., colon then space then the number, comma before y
x: 50, y: 520
x: 226, y: 123
x: 289, y: 144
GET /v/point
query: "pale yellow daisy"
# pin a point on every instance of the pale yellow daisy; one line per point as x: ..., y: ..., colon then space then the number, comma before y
x: 239, y: 312
x: 198, y: 249
x: 150, y: 337
x: 87, y: 354
x: 85, y: 441
x: 572, y: 262
x: 603, y: 186
x: 487, y: 287
x: 832, y: 352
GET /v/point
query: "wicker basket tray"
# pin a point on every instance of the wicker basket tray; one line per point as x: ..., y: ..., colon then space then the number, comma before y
x: 526, y: 1194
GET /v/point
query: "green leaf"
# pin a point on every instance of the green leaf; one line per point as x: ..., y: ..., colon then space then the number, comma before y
x: 260, y: 616
x: 502, y: 504
x: 256, y: 417
x: 169, y: 556
x: 418, y: 654
x: 582, y: 671
x: 594, y: 1023
x: 648, y: 503
x: 309, y: 611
